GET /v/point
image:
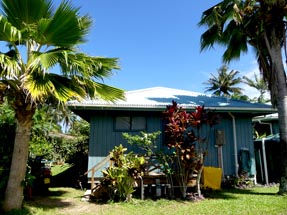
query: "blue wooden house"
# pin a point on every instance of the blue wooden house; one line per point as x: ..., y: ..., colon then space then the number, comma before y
x: 142, y: 111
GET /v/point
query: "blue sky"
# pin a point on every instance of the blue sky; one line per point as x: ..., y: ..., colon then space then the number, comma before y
x: 157, y: 43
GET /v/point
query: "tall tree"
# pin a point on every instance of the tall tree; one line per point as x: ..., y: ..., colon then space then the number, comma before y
x: 238, y: 25
x: 259, y: 84
x: 224, y: 83
x: 41, y: 40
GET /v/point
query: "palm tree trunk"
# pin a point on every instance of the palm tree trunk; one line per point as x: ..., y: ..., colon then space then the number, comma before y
x: 281, y: 88
x: 14, y: 190
x: 282, y: 117
x: 282, y: 114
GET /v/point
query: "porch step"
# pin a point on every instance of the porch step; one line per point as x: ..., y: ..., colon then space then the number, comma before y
x: 87, y: 196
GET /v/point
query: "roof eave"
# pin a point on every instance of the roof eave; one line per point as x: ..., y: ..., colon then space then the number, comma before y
x: 163, y: 107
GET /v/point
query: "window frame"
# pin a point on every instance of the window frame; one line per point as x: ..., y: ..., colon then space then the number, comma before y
x: 131, y: 122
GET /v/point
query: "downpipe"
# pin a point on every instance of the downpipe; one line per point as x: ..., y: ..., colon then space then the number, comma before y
x: 234, y: 143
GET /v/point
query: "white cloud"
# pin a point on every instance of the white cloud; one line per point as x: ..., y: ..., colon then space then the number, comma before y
x: 249, y: 73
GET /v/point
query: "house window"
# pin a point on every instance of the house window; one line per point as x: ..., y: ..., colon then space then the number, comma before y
x: 130, y: 123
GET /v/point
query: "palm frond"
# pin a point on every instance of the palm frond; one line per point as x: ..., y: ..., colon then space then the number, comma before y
x: 66, y: 28
x: 108, y: 93
x: 236, y: 42
x: 99, y: 90
x: 41, y: 86
x: 222, y: 22
x: 93, y: 67
x: 45, y: 60
x: 210, y: 37
x: 72, y: 63
x: 9, y: 67
x: 21, y: 13
x: 50, y: 38
x: 85, y: 23
x: 8, y: 32
x: 63, y: 88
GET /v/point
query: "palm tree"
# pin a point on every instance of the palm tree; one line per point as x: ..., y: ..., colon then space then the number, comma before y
x: 239, y: 25
x: 224, y: 83
x: 41, y: 40
x: 259, y: 84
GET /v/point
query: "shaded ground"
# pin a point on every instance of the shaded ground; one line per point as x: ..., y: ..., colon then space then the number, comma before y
x: 256, y: 201
x: 65, y: 194
x: 65, y: 201
x: 69, y: 177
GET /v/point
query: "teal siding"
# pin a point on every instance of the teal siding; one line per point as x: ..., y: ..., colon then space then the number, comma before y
x: 244, y: 133
x: 227, y: 149
x: 245, y: 139
x: 103, y: 138
x: 228, y: 153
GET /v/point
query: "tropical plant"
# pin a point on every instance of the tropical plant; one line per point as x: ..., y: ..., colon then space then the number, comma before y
x: 45, y: 121
x: 44, y: 66
x: 80, y: 131
x: 261, y: 25
x: 154, y: 156
x: 120, y: 177
x: 145, y: 141
x: 7, y: 135
x: 7, y: 115
x: 259, y: 84
x: 184, y: 134
x: 224, y: 83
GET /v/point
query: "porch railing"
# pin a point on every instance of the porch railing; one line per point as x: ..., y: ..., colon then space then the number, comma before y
x: 96, y: 168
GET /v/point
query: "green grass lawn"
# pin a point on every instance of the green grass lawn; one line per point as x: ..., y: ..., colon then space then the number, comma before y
x: 255, y: 201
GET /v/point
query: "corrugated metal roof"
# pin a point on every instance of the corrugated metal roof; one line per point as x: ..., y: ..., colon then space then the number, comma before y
x: 159, y: 97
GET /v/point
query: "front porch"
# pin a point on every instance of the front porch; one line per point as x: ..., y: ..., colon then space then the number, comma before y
x: 154, y: 183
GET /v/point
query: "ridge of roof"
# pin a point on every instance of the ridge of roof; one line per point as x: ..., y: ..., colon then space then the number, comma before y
x: 167, y: 90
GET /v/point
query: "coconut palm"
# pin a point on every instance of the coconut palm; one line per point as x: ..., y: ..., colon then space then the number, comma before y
x: 239, y: 25
x: 259, y: 84
x: 224, y: 83
x: 43, y: 65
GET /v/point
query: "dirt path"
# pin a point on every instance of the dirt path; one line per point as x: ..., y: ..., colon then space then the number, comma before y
x: 66, y: 201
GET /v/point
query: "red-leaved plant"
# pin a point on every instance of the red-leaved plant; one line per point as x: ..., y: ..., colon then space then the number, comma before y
x: 183, y: 133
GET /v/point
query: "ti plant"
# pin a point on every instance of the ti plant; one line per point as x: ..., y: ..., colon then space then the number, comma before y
x: 121, y: 177
x: 184, y: 135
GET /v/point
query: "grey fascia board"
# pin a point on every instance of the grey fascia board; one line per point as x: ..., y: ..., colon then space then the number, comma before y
x: 163, y: 107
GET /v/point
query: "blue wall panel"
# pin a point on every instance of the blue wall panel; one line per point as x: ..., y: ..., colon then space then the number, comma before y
x: 103, y: 139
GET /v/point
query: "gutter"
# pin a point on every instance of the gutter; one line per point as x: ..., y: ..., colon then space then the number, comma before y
x: 266, y: 123
x: 264, y: 151
x: 235, y: 143
x: 265, y: 161
x: 162, y: 107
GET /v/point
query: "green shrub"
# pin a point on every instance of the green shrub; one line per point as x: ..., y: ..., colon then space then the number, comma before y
x: 120, y: 178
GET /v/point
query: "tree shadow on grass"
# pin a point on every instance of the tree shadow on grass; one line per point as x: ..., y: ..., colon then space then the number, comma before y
x: 233, y: 193
x: 54, y: 193
x: 46, y: 202
x: 70, y: 177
